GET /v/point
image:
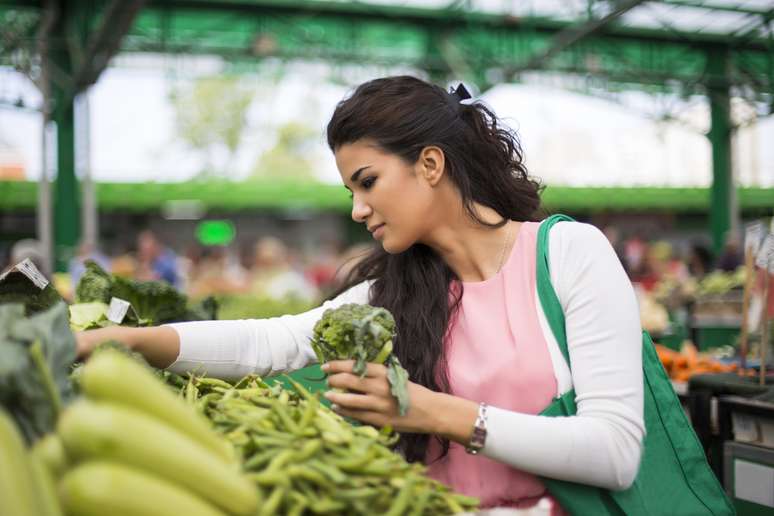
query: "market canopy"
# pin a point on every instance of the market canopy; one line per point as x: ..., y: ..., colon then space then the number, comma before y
x: 715, y: 48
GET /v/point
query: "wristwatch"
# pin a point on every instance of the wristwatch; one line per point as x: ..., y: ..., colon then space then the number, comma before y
x: 478, y: 439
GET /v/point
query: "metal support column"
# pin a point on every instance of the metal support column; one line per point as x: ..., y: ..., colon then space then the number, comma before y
x: 720, y: 138
x: 67, y: 212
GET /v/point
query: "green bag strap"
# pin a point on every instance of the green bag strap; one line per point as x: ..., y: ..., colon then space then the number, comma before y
x: 548, y: 298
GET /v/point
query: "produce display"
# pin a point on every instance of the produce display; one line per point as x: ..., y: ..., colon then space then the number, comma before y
x: 305, y: 458
x: 681, y: 365
x: 146, y: 435
x: 115, y: 436
x: 152, y: 302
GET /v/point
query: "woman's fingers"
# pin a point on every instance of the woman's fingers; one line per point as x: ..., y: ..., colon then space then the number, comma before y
x: 353, y: 382
x: 347, y: 366
x: 360, y: 402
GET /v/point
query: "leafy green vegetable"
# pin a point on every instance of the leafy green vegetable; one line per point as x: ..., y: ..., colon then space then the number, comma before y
x: 95, y: 285
x: 153, y: 302
x: 363, y: 333
x: 36, y: 354
x: 85, y: 316
x: 15, y: 287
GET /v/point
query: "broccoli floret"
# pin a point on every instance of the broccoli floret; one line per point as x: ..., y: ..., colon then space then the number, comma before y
x: 363, y: 333
x: 94, y: 286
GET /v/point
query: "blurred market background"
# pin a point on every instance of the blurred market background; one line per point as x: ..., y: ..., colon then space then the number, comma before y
x: 183, y: 140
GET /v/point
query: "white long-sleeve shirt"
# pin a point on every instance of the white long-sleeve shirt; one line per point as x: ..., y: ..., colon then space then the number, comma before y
x: 601, y: 445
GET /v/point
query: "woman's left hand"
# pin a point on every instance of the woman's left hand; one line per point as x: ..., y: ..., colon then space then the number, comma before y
x: 371, y: 401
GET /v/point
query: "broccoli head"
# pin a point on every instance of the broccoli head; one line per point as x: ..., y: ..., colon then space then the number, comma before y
x: 354, y: 331
x: 363, y: 333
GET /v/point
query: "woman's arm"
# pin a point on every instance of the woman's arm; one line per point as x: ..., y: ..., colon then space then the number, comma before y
x: 159, y: 345
x: 227, y: 349
x: 601, y: 445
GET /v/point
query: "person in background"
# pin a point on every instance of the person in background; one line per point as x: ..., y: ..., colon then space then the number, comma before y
x: 273, y: 275
x: 732, y: 255
x: 32, y: 249
x: 154, y: 260
x: 86, y: 251
x: 321, y: 271
x: 699, y: 261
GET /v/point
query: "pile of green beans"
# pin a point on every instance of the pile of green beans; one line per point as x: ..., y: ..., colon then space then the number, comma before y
x: 306, y: 459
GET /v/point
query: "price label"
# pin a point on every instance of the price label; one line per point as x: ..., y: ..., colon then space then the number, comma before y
x: 753, y: 234
x: 765, y: 257
x: 28, y: 268
x: 117, y: 310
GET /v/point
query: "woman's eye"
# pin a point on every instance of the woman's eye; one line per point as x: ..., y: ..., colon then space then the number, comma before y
x: 368, y: 182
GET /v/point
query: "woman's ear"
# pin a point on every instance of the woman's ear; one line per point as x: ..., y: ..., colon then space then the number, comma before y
x: 432, y: 163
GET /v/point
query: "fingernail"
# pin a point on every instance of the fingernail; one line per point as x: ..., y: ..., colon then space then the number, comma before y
x: 334, y: 407
x: 328, y: 395
x: 325, y: 367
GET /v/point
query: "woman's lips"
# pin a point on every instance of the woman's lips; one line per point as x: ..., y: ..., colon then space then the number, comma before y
x: 378, y: 231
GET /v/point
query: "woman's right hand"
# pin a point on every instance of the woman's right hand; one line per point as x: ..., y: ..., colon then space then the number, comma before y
x: 86, y: 341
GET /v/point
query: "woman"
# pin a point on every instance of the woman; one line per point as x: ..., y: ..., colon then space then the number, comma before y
x: 443, y: 188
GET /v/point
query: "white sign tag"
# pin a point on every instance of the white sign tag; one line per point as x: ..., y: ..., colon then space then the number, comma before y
x: 117, y: 310
x: 766, y: 253
x: 28, y: 268
x: 753, y: 235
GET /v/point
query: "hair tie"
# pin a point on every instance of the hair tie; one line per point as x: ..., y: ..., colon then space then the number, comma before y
x: 460, y: 93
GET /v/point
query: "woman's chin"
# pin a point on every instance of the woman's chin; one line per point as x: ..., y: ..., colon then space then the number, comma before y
x: 392, y: 247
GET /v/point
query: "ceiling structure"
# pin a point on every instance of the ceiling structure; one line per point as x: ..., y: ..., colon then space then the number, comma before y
x: 716, y: 48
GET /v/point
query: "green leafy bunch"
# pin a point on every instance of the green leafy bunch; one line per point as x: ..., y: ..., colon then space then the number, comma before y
x: 15, y: 287
x: 362, y: 333
x: 36, y: 354
x: 153, y: 302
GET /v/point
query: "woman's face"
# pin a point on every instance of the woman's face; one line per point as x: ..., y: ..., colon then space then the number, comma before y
x: 390, y: 196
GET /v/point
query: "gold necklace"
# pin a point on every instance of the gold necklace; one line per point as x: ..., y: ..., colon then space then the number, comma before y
x: 505, y: 246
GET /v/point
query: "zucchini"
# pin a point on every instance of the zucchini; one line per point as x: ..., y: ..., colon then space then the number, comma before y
x: 45, y: 490
x: 17, y: 492
x: 104, y: 488
x: 92, y: 431
x: 114, y: 377
x: 51, y: 453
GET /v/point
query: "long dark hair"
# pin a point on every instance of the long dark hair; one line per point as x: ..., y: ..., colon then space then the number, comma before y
x: 403, y: 115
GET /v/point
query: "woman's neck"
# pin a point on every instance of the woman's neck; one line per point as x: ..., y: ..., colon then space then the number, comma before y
x: 473, y: 251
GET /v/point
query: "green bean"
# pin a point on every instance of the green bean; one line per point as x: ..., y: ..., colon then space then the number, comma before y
x: 273, y: 503
x: 401, y: 502
x: 258, y: 460
x: 329, y: 471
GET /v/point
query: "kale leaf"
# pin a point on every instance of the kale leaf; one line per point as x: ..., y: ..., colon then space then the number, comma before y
x: 36, y: 354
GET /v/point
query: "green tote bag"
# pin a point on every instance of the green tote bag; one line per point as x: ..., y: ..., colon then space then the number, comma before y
x: 674, y: 477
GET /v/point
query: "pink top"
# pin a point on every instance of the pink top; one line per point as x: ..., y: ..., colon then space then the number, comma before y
x: 497, y: 355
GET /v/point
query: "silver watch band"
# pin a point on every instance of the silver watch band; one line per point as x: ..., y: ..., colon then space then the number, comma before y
x: 478, y: 438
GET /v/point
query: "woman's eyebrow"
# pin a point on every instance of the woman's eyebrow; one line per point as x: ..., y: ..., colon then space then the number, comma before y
x: 356, y: 175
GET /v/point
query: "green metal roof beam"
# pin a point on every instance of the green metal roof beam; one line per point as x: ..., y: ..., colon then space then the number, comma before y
x: 575, y: 33
x: 256, y: 195
x: 715, y: 7
x: 449, y: 18
x: 106, y: 42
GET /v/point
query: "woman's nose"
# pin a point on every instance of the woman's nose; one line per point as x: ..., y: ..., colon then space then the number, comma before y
x: 360, y: 210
